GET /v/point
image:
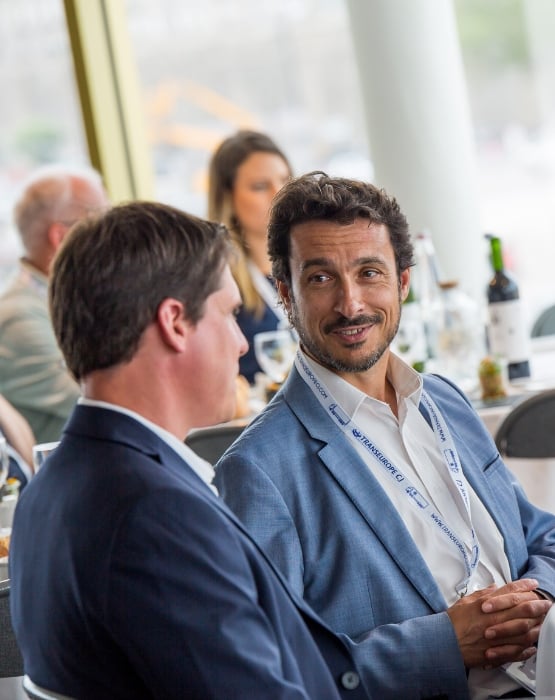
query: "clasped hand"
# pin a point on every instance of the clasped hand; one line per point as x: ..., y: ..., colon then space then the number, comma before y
x: 497, y: 625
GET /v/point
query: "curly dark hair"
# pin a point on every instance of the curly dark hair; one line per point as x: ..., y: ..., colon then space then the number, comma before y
x: 317, y: 196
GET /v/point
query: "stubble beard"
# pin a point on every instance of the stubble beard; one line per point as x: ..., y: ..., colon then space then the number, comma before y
x: 325, y: 358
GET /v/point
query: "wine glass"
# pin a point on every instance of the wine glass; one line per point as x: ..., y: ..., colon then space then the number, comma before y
x: 41, y: 452
x: 275, y: 352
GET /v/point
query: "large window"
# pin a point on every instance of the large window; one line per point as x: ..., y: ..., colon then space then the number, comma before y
x: 509, y: 57
x: 284, y: 67
x: 39, y: 110
x: 287, y: 67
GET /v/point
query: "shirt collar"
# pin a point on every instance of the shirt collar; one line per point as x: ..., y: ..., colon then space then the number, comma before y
x: 404, y: 379
x: 34, y: 277
x: 200, y: 466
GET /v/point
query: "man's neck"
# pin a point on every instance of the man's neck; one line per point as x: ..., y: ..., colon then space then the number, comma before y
x: 379, y: 388
x: 373, y: 382
x: 124, y: 387
x: 36, y: 265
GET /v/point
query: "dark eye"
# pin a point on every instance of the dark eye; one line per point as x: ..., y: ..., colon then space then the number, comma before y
x: 318, y: 278
x: 370, y: 273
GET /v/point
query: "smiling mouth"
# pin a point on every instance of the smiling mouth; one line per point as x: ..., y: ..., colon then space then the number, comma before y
x: 353, y: 327
x: 352, y: 337
x: 354, y: 331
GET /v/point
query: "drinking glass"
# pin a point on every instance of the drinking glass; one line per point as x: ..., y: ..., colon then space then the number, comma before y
x: 41, y: 452
x: 275, y: 352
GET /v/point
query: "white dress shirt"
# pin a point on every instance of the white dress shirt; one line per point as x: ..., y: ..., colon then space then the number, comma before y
x: 410, y: 444
x: 200, y: 466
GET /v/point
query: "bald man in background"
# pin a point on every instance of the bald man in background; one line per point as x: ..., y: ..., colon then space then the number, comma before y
x: 33, y: 377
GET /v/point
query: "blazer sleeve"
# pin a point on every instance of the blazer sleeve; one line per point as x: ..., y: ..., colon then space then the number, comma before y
x: 415, y: 659
x: 538, y: 530
x: 257, y: 502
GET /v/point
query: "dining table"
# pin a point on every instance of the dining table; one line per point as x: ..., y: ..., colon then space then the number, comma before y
x: 536, y: 476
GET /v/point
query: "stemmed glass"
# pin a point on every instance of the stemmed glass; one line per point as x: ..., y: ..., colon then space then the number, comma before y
x: 275, y: 352
x: 41, y: 452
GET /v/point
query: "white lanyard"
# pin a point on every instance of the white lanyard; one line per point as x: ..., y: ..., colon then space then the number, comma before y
x: 267, y: 291
x: 446, y: 447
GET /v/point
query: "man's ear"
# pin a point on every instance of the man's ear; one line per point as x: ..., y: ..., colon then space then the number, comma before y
x: 173, y: 325
x: 55, y: 234
x: 284, y: 294
x: 404, y: 283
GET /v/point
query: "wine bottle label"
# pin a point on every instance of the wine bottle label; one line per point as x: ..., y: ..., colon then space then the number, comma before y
x: 507, y: 334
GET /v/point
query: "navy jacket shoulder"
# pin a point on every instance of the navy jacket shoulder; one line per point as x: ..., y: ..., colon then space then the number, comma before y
x: 154, y: 589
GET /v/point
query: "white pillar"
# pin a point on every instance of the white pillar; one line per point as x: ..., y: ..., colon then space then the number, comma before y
x: 419, y: 126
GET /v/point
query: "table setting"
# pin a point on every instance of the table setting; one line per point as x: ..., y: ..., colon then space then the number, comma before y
x: 9, y: 493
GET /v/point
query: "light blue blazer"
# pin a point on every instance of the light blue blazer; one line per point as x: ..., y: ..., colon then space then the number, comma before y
x: 307, y: 497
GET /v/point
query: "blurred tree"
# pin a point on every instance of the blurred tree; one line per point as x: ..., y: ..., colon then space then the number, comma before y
x: 39, y: 141
x: 498, y: 65
x: 493, y: 33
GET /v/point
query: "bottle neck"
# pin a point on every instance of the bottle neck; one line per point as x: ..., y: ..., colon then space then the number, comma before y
x: 496, y: 255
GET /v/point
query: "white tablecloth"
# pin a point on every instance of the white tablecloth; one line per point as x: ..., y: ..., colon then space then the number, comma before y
x: 537, y: 476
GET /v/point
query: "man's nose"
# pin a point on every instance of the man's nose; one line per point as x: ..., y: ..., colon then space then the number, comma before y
x: 349, y: 300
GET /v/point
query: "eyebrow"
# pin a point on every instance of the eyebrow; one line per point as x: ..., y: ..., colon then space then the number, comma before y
x: 326, y: 262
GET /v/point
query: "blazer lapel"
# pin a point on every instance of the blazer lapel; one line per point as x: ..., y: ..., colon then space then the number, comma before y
x: 297, y: 600
x: 355, y: 478
x: 468, y: 449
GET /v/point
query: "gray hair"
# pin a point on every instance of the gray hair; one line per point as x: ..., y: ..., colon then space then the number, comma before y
x: 48, y: 195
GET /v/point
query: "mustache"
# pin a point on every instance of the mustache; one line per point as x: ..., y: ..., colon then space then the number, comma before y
x: 345, y: 322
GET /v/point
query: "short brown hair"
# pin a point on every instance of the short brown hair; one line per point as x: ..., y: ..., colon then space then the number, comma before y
x: 113, y: 271
x: 317, y: 196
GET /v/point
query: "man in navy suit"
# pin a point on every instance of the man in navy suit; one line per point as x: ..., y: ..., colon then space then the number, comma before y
x: 130, y: 578
x: 378, y: 492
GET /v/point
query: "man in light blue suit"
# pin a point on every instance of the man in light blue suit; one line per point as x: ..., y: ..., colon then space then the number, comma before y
x: 131, y: 579
x: 378, y: 492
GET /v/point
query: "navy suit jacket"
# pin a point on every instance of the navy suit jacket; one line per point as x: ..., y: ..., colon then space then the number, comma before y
x: 131, y: 579
x: 309, y: 499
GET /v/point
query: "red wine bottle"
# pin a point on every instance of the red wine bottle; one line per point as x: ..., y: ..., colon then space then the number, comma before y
x: 506, y: 331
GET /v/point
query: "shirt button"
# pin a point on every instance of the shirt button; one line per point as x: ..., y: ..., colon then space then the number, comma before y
x: 350, y: 680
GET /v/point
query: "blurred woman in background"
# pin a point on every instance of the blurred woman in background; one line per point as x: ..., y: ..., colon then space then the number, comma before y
x: 246, y: 171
